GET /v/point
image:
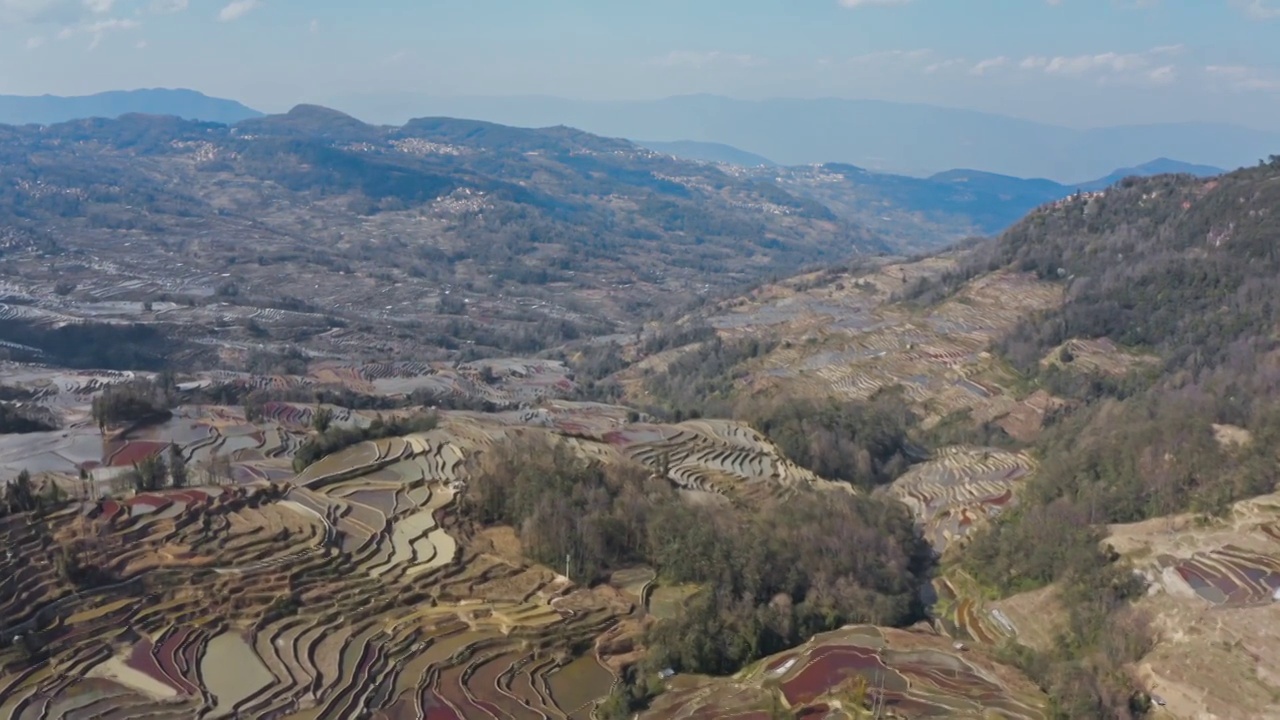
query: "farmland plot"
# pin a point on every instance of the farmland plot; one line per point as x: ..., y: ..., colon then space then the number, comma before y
x: 909, y: 674
x: 961, y: 488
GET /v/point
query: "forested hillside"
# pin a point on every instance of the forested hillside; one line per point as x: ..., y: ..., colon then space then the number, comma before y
x: 1174, y: 267
x: 431, y: 239
x: 1110, y: 359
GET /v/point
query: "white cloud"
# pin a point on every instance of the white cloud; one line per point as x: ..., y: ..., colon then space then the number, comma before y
x: 866, y: 3
x: 1241, y: 78
x: 713, y: 58
x: 1163, y: 75
x: 397, y: 57
x: 34, y: 12
x: 166, y: 7
x: 1150, y: 67
x: 983, y: 66
x: 314, y: 26
x: 237, y: 9
x: 35, y: 41
x: 1132, y: 4
x: 98, y: 30
x: 1084, y: 64
x: 944, y: 65
x: 1258, y: 9
x: 882, y: 56
x: 73, y: 13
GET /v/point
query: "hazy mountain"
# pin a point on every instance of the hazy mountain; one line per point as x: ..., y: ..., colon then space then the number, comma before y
x: 878, y: 135
x: 708, y: 152
x: 186, y: 104
x: 931, y: 212
x: 1159, y: 166
x: 553, y: 225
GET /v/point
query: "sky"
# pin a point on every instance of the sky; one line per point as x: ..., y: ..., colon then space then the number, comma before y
x: 1081, y: 63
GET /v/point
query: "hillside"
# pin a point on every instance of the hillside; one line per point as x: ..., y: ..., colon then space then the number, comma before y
x: 427, y: 240
x: 1159, y: 166
x: 285, y: 432
x: 1110, y: 360
x: 937, y: 211
x: 708, y: 152
x: 878, y: 135
x: 923, y: 213
x: 910, y: 214
x: 188, y: 104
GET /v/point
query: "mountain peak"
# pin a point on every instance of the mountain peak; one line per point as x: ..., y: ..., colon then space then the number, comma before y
x: 308, y: 111
x: 179, y: 102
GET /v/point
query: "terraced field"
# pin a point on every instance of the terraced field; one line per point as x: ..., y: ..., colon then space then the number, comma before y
x: 1229, y: 576
x: 961, y: 488
x: 847, y: 672
x: 961, y: 612
x: 339, y: 591
x: 263, y: 448
x: 716, y: 456
x: 1212, y: 596
x: 1097, y: 356
x: 347, y: 589
x: 847, y: 338
x: 283, y: 601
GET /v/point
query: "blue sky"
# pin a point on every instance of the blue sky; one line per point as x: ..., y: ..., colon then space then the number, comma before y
x: 1074, y: 62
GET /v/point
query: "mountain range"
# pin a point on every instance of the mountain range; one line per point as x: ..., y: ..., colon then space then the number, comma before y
x: 923, y: 213
x: 878, y: 135
x: 186, y: 104
x: 527, y: 226
x: 901, y: 138
x: 1032, y: 475
x: 912, y: 213
x: 708, y: 152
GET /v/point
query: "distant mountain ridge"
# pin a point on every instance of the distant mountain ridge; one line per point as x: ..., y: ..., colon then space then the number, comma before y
x: 707, y: 152
x: 492, y: 210
x: 884, y: 136
x: 923, y: 213
x: 186, y: 104
x: 936, y: 210
x: 1159, y: 166
x: 914, y: 213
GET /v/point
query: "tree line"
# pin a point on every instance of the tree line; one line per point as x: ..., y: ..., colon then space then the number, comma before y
x: 333, y: 438
x: 771, y: 577
x: 1186, y: 274
x: 135, y: 401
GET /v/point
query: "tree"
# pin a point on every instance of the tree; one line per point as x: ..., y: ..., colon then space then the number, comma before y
x: 253, y: 409
x: 20, y: 495
x: 177, y: 466
x: 322, y: 419
x: 151, y: 473
x: 218, y: 468
x: 122, y: 483
x: 135, y: 401
x: 53, y: 495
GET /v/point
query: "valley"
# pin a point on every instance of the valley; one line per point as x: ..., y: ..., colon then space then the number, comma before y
x: 306, y: 418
